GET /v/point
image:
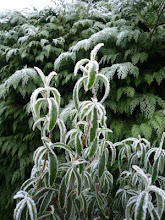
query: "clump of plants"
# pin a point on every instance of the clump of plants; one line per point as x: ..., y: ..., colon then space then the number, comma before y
x: 84, y: 184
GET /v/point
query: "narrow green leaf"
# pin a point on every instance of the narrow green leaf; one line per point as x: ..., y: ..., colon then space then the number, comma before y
x: 95, y: 50
x: 153, y: 212
x: 107, y: 87
x: 68, y: 176
x: 62, y: 128
x: 93, y: 147
x: 141, y: 206
x: 32, y: 209
x: 39, y: 194
x: 46, y: 201
x: 78, y: 143
x: 101, y: 165
x: 92, y: 73
x: 81, y: 167
x: 83, y: 203
x: 19, y: 208
x: 53, y: 167
x: 69, y: 208
x: 124, y: 199
x: 55, y: 217
x: 88, y: 179
x: 44, y: 214
x: 160, y: 204
x: 78, y: 182
x: 79, y: 64
x: 38, y: 155
x: 28, y: 183
x: 53, y: 113
x: 162, y: 163
x: 113, y: 152
x: 76, y: 90
x: 41, y: 74
x: 34, y: 97
x: 100, y: 202
x: 158, y: 190
x: 93, y: 130
x: 129, y: 205
x: 141, y: 174
x: 90, y: 208
x: 37, y: 106
x: 56, y: 94
x: 62, y: 193
x: 50, y: 76
x: 155, y: 170
x: 38, y: 123
x: 63, y: 146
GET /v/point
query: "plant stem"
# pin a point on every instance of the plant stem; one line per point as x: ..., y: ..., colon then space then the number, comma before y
x: 95, y: 91
x: 44, y: 165
x: 43, y: 168
x: 97, y: 189
x: 157, y: 22
x: 89, y: 124
x: 86, y: 135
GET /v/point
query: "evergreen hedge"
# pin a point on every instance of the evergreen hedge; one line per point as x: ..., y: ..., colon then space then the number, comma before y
x: 133, y: 59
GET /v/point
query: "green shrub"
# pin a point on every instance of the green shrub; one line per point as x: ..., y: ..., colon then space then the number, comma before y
x: 82, y: 187
x: 132, y: 59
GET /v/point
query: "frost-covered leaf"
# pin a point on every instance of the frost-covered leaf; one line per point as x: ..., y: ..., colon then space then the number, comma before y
x: 69, y: 208
x: 141, y: 174
x: 141, y: 206
x: 102, y: 164
x: 78, y: 143
x: 46, y: 200
x: 79, y: 64
x: 78, y: 182
x: 93, y: 130
x: 62, y: 193
x: 93, y: 147
x: 43, y: 214
x: 155, y: 170
x: 92, y: 73
x: 32, y: 209
x: 53, y: 113
x: 95, y: 50
x: 76, y: 91
x: 106, y: 84
x: 53, y: 167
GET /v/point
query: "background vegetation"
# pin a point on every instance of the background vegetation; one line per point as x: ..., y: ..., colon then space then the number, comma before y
x: 133, y: 59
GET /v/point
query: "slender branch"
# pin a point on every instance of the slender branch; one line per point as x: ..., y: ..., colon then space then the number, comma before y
x: 144, y: 21
x: 86, y: 135
x: 43, y: 168
x: 89, y: 124
x: 95, y: 91
x: 44, y: 165
x: 97, y: 189
x: 50, y: 135
x: 157, y: 22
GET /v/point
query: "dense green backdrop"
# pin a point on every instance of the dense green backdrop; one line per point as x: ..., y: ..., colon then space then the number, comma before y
x: 133, y: 58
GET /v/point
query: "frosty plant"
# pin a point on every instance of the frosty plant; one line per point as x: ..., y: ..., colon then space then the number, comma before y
x: 81, y: 187
x: 78, y: 188
x: 141, y: 191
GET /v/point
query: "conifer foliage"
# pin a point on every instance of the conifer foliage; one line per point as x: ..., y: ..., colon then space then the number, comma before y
x: 82, y: 187
x: 132, y: 59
